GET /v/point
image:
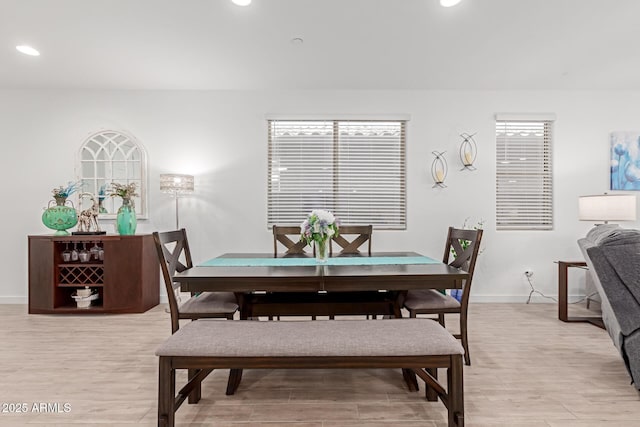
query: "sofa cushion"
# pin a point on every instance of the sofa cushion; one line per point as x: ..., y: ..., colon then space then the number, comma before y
x: 612, y: 235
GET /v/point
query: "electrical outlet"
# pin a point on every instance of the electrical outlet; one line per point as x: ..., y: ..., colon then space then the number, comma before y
x: 528, y: 272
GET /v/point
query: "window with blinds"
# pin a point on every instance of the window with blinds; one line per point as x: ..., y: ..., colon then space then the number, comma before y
x: 524, y: 187
x: 356, y: 169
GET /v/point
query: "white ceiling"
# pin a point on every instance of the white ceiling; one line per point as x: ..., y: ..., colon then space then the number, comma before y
x: 348, y: 44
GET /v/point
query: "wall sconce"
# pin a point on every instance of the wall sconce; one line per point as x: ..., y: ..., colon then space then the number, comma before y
x: 176, y: 184
x: 468, y: 151
x: 439, y: 169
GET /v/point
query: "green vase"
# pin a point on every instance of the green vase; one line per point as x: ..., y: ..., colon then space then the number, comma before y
x: 60, y: 217
x: 126, y: 220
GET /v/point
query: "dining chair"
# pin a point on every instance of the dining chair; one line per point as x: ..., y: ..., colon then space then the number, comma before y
x: 350, y: 238
x: 283, y: 234
x: 357, y: 235
x: 172, y: 247
x: 462, y: 248
x: 174, y: 256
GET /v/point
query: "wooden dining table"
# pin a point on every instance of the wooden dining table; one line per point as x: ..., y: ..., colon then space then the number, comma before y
x: 343, y: 277
x: 373, y: 284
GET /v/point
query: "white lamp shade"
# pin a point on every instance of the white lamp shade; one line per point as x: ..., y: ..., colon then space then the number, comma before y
x: 175, y: 183
x: 607, y: 207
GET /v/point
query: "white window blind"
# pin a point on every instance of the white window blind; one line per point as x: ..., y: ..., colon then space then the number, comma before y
x: 354, y: 168
x: 524, y: 187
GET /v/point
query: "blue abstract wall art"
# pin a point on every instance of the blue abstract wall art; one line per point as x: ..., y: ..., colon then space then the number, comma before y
x: 625, y: 161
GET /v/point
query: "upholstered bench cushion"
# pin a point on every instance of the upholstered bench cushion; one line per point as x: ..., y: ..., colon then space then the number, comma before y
x: 430, y: 299
x: 206, y: 302
x: 247, y: 338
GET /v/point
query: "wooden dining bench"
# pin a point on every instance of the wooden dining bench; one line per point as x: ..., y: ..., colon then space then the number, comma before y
x: 418, y: 346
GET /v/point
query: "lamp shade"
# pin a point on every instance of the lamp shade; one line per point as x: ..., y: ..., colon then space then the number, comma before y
x: 175, y: 183
x: 607, y: 207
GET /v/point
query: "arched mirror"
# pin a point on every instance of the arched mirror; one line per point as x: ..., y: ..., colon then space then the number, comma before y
x: 112, y: 156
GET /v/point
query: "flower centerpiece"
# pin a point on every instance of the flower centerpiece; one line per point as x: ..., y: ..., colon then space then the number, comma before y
x: 319, y: 227
x: 126, y: 220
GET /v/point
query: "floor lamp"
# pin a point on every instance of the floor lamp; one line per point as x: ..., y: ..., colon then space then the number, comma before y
x: 176, y: 184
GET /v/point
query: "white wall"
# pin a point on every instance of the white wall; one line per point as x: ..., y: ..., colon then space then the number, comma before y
x: 220, y: 137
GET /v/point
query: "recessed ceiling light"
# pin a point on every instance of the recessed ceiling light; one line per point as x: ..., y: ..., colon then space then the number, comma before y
x: 27, y: 50
x: 297, y: 40
x: 449, y: 3
x: 242, y: 2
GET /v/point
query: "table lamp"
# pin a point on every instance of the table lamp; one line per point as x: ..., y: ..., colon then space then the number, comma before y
x: 607, y: 207
x: 176, y: 184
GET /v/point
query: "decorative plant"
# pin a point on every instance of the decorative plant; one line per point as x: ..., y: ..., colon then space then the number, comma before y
x: 319, y: 226
x: 126, y: 191
x: 64, y: 192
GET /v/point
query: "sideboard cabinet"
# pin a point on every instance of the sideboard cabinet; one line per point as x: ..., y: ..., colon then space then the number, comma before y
x: 122, y: 272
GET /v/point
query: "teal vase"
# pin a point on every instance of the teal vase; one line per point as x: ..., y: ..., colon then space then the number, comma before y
x: 126, y: 220
x: 60, y: 217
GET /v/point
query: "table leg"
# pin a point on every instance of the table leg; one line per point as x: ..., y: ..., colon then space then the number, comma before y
x: 410, y: 379
x: 562, y: 290
x: 563, y: 296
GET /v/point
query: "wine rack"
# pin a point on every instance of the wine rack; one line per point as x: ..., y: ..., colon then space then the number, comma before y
x: 80, y: 275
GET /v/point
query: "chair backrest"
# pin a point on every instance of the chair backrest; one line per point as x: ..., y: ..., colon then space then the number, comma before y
x: 293, y: 245
x: 463, y: 258
x: 172, y: 246
x: 358, y: 236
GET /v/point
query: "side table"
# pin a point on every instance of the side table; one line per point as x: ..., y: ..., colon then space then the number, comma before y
x: 563, y: 300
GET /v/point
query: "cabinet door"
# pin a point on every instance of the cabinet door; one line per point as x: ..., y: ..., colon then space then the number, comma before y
x: 122, y: 273
x: 41, y: 271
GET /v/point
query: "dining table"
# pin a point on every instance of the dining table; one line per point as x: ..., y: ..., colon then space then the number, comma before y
x: 347, y: 278
x: 299, y: 284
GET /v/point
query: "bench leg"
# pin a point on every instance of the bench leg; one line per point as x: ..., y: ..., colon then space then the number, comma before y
x: 235, y: 375
x: 455, y: 392
x: 166, y: 393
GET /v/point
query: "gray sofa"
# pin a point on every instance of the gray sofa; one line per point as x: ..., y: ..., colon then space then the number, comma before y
x: 613, y: 256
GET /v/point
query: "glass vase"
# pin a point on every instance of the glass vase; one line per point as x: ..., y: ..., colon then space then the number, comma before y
x: 322, y: 250
x: 126, y: 220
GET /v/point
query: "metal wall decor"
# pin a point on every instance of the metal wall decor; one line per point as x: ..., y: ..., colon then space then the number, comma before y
x: 468, y: 151
x: 439, y: 169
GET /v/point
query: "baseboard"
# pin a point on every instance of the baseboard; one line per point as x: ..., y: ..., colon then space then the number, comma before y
x: 14, y: 300
x: 474, y: 299
x: 550, y: 299
x: 25, y: 300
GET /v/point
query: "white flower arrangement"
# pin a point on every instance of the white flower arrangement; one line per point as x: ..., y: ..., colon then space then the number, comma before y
x: 320, y: 226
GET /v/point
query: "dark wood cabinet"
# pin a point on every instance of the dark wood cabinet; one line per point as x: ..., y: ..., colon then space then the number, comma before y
x: 122, y: 270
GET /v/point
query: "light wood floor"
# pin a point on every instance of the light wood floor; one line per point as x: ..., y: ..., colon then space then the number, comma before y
x: 529, y: 370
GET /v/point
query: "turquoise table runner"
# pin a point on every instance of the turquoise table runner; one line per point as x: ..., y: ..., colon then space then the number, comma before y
x: 301, y: 262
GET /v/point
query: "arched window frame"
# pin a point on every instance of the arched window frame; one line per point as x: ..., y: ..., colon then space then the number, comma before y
x: 101, y: 148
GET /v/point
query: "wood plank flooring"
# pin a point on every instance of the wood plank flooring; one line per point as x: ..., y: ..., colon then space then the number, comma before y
x: 529, y: 370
